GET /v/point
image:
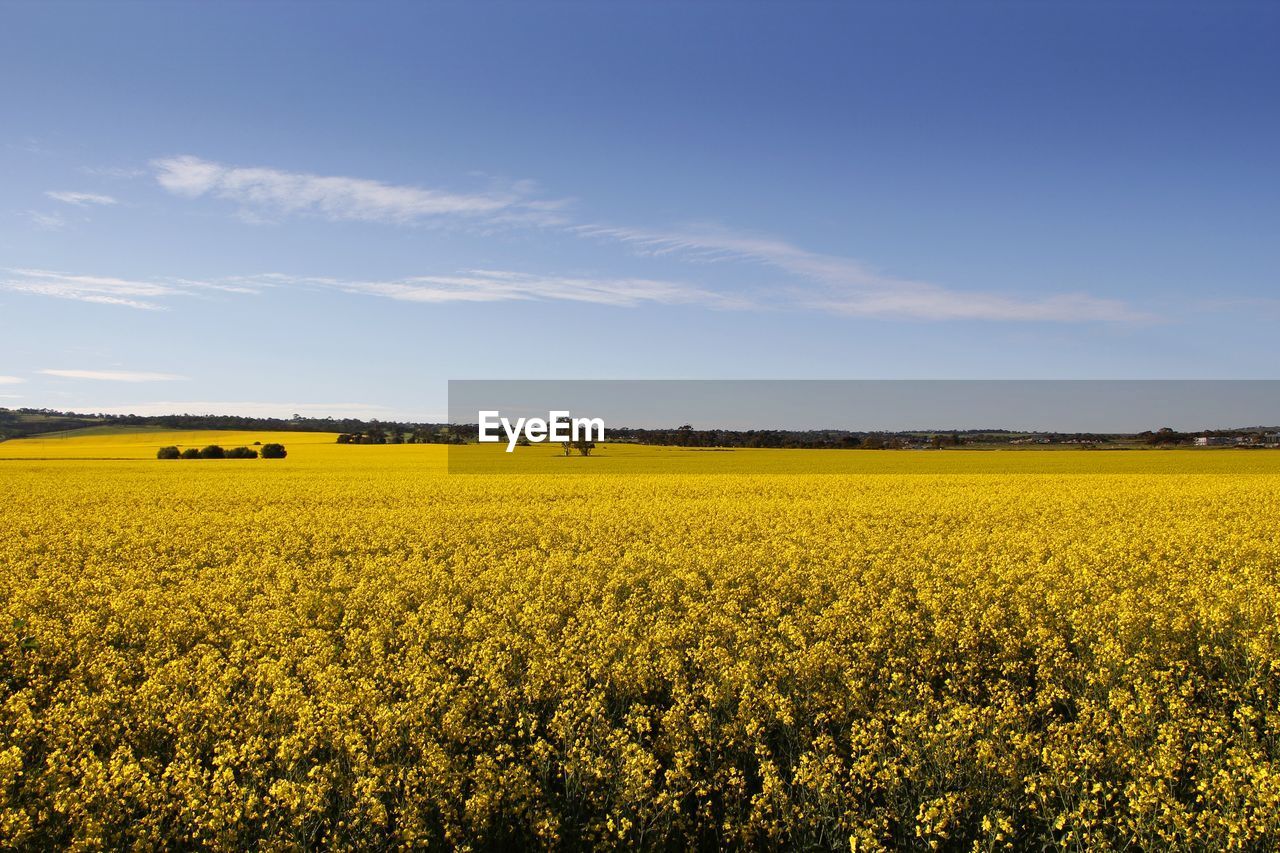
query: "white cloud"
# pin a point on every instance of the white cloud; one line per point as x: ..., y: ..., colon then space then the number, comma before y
x: 114, y: 375
x: 258, y: 409
x: 80, y: 199
x: 845, y: 286
x: 11, y: 380
x: 278, y: 192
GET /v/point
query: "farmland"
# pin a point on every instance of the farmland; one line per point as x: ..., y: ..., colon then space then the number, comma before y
x: 650, y: 647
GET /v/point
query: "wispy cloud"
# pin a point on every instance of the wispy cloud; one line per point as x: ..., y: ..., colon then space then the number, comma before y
x: 114, y: 375
x: 854, y: 295
x: 264, y: 192
x: 11, y: 380
x: 29, y: 144
x: 109, y: 290
x: 46, y: 221
x: 80, y: 199
x: 845, y: 286
x: 103, y: 290
x: 463, y: 286
x: 256, y: 409
x: 503, y: 285
x: 810, y: 280
x: 118, y: 173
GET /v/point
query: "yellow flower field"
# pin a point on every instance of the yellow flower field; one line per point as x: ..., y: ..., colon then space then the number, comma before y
x: 850, y: 649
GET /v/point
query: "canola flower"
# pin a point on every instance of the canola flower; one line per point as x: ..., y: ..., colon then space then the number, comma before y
x: 861, y: 650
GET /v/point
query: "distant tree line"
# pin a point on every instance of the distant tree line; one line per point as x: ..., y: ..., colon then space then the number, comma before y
x: 376, y: 432
x: 18, y: 423
x: 829, y: 439
x: 687, y: 436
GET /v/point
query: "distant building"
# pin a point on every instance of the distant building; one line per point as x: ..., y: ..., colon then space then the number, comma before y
x: 1217, y: 440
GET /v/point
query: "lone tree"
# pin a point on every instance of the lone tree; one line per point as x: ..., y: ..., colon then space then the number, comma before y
x: 584, y: 446
x: 168, y: 453
x: 274, y: 451
x: 213, y: 451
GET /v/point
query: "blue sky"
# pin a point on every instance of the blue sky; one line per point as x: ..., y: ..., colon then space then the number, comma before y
x: 334, y: 208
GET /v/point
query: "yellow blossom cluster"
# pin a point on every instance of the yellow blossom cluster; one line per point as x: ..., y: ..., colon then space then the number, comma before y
x: 352, y: 648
